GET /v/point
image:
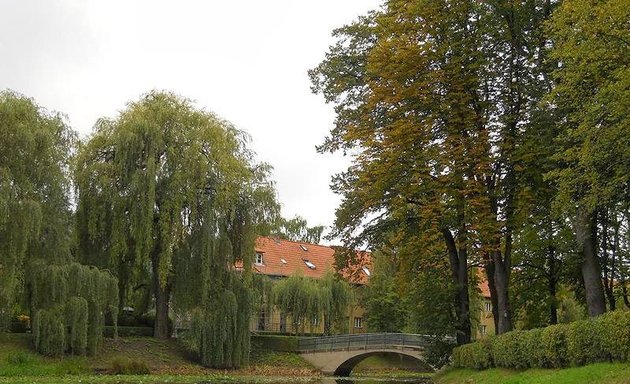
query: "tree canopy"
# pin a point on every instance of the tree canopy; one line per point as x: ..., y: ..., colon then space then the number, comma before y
x: 35, y: 150
x: 175, y: 187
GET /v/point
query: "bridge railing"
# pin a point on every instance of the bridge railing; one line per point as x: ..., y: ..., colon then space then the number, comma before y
x: 363, y: 341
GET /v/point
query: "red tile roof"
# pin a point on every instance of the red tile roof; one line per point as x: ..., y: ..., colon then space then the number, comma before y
x: 285, y: 258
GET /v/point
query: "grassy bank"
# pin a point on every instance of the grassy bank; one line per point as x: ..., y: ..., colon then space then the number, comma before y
x: 604, y: 373
x: 164, y: 360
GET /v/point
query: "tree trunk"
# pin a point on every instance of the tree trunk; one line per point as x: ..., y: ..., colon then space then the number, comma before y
x: 552, y: 285
x: 162, y: 294
x: 624, y: 293
x: 586, y: 235
x: 458, y: 261
x: 493, y: 293
x: 501, y: 281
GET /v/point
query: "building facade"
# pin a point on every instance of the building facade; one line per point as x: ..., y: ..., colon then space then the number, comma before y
x: 279, y: 258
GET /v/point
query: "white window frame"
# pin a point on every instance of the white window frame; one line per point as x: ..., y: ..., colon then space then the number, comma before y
x: 259, y: 258
x: 358, y: 322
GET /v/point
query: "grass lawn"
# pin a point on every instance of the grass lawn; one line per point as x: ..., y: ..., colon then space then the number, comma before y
x: 602, y: 373
x: 165, y: 360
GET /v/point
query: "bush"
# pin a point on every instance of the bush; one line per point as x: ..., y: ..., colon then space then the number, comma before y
x: 49, y: 332
x: 533, y: 353
x: 477, y: 355
x: 122, y: 366
x: 507, y: 350
x: 553, y: 340
x: 584, y: 342
x: 128, y: 331
x: 19, y: 358
x: 275, y: 343
x: 605, y: 338
x: 615, y: 335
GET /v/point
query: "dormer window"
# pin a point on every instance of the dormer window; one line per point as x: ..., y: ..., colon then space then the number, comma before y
x: 303, y: 248
x: 259, y: 258
x: 366, y: 271
x: 309, y: 264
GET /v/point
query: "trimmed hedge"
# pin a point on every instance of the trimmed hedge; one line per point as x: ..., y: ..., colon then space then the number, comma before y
x: 275, y: 343
x: 605, y: 338
x: 128, y: 331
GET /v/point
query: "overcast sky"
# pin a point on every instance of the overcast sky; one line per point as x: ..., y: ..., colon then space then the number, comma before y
x: 244, y: 60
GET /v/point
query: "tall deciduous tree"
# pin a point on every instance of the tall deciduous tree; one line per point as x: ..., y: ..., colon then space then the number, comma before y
x: 297, y: 229
x: 435, y: 98
x: 174, y: 187
x: 592, y: 94
x: 306, y: 300
x: 35, y: 150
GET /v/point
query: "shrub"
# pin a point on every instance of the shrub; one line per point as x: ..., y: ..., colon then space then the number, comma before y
x: 474, y: 356
x: 510, y: 350
x: 584, y: 342
x: 77, y: 320
x: 49, y: 332
x: 553, y: 340
x: 122, y: 366
x: 275, y: 343
x: 128, y: 331
x: 615, y: 335
x: 533, y: 353
x: 19, y: 358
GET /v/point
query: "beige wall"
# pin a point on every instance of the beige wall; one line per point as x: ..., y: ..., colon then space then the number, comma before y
x: 486, y: 321
x: 355, y: 323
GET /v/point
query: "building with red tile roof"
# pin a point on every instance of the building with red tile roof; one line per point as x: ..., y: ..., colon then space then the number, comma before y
x: 281, y: 258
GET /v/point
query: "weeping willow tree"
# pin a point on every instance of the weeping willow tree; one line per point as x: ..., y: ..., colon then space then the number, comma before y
x: 174, y: 187
x: 70, y: 302
x: 35, y: 148
x: 306, y: 300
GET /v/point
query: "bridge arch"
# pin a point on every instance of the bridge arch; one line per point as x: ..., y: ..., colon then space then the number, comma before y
x: 345, y: 367
x: 339, y: 354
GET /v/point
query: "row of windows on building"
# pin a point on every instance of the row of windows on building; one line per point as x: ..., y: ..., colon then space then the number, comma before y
x: 358, y: 322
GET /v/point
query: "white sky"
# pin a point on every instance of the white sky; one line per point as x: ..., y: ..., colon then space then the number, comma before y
x: 245, y: 60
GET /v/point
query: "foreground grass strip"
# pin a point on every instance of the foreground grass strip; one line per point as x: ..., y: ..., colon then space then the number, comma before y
x: 605, y: 373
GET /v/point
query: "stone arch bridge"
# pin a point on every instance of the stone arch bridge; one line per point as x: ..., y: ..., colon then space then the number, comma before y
x: 338, y: 355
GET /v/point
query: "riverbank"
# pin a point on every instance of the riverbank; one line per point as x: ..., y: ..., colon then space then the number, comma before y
x: 601, y: 373
x: 137, y: 355
x: 148, y: 360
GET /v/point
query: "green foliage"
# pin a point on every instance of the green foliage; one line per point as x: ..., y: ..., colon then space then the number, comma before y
x: 35, y: 150
x: 615, y: 335
x: 127, y: 331
x: 383, y: 301
x: 278, y: 343
x: 76, y: 316
x: 553, y: 341
x: 584, y: 342
x: 19, y: 358
x: 477, y: 355
x: 126, y: 366
x: 608, y: 373
x: 297, y: 229
x: 603, y: 338
x: 49, y: 332
x: 172, y: 186
x: 305, y: 299
x: 71, y: 302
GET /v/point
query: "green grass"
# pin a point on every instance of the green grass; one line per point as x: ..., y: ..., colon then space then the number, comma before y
x: 105, y: 379
x: 601, y: 373
x: 18, y: 359
x: 165, y: 360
